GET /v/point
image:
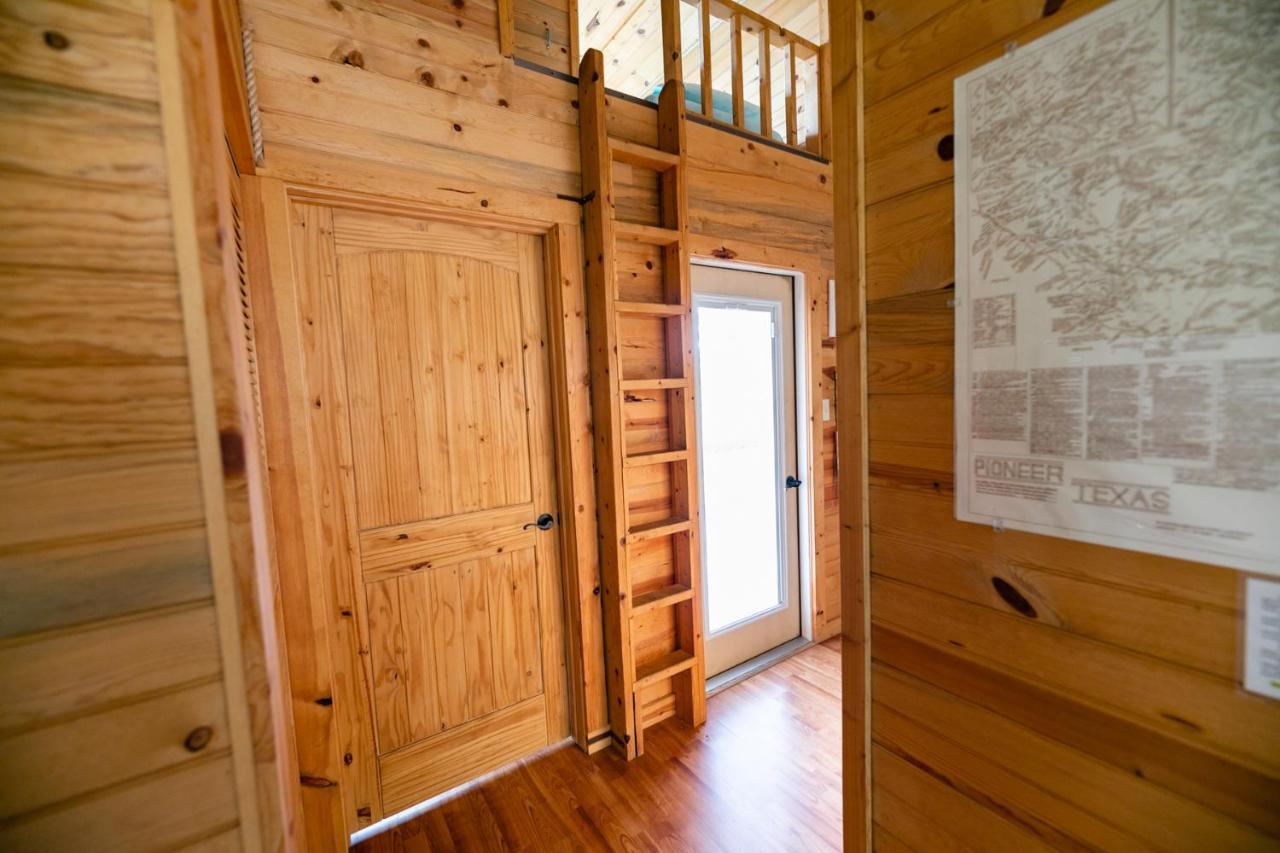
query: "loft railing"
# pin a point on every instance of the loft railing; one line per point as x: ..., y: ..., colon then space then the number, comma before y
x: 740, y: 68
x: 744, y: 70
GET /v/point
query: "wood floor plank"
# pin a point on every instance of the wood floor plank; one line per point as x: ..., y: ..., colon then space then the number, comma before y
x: 762, y: 774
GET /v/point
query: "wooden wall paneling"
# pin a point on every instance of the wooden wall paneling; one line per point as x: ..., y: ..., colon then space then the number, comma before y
x: 166, y: 811
x: 506, y: 27
x: 543, y: 33
x: 86, y: 753
x: 332, y: 467
x: 571, y: 382
x: 551, y: 587
x: 1103, y: 678
x: 304, y: 609
x: 214, y: 131
x: 226, y: 31
x: 851, y: 425
x: 184, y: 117
x: 1084, y: 800
x: 104, y: 560
x: 575, y: 46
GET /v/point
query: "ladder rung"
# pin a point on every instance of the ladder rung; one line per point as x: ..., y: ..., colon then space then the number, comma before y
x: 652, y: 234
x: 654, y: 384
x: 656, y: 530
x: 664, y: 667
x: 667, y: 596
x: 642, y: 155
x: 655, y: 458
x: 656, y: 308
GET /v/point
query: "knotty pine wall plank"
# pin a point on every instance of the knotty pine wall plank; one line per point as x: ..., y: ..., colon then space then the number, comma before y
x: 1010, y: 666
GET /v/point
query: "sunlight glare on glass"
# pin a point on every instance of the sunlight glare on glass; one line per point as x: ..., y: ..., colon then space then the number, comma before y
x: 739, y: 462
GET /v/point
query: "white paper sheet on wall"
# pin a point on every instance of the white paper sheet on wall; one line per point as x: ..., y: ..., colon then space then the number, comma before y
x: 1262, y: 637
x: 1118, y: 282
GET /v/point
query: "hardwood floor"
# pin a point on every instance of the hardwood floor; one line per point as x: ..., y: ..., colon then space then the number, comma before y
x: 762, y: 774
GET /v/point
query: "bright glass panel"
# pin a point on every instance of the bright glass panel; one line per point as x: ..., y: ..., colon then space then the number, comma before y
x: 739, y: 450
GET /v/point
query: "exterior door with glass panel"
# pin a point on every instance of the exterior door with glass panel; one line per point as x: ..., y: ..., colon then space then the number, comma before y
x: 744, y: 355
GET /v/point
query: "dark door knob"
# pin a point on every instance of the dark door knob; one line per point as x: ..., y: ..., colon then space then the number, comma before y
x: 792, y: 482
x: 546, y: 521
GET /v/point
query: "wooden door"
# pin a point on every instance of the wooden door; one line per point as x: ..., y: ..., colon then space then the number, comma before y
x: 423, y: 383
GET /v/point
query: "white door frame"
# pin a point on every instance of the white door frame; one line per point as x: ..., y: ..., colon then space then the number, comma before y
x: 804, y: 452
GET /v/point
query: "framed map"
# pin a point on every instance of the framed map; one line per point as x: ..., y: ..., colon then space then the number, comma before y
x: 1117, y: 203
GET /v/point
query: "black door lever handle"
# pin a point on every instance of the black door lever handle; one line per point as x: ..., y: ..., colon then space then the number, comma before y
x: 792, y: 482
x: 545, y: 522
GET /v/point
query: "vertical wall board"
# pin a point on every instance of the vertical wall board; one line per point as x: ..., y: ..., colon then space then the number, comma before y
x: 1120, y: 665
x: 851, y: 426
x: 114, y: 472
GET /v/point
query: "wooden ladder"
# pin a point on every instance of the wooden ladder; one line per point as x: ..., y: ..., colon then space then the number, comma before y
x: 652, y: 620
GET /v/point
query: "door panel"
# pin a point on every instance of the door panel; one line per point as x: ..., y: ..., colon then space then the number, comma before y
x: 745, y: 373
x: 433, y: 354
x: 425, y: 392
x: 451, y: 644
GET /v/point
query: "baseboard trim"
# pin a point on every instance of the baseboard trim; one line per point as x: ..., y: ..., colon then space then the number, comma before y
x: 746, y: 669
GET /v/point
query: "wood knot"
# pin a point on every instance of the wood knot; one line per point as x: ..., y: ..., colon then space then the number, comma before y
x: 354, y: 58
x: 1050, y: 6
x: 724, y: 253
x: 231, y: 446
x: 315, y: 79
x: 56, y: 40
x: 347, y: 758
x: 502, y: 102
x: 1013, y: 598
x: 423, y: 43
x: 335, y: 5
x: 947, y: 148
x: 325, y: 701
x: 458, y: 4
x: 198, y: 739
x: 457, y: 127
x: 428, y: 78
x: 316, y: 782
x: 484, y: 202
x: 868, y: 15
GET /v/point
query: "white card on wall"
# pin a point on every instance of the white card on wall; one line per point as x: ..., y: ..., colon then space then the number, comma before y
x: 1262, y: 637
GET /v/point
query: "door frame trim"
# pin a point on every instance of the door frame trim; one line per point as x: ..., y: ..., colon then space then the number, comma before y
x: 803, y: 415
x: 313, y: 717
